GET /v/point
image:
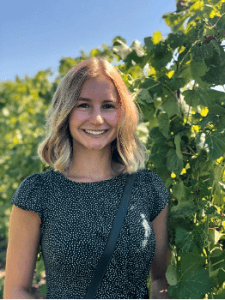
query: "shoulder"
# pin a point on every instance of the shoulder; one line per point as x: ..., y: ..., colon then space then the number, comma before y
x: 155, y: 190
x: 35, y: 180
x: 29, y: 194
x: 150, y: 178
x: 153, y: 180
x: 150, y: 175
x: 30, y: 182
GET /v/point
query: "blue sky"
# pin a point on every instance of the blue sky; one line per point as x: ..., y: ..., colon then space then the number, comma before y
x: 35, y: 35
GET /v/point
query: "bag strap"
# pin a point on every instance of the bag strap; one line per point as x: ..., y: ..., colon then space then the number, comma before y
x: 113, y: 236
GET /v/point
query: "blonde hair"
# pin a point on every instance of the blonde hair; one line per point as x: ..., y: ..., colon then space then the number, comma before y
x: 56, y: 149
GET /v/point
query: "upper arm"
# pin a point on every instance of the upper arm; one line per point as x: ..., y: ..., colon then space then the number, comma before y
x: 22, y: 250
x: 162, y: 251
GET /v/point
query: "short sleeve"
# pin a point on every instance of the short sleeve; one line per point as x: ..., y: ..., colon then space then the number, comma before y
x: 159, y: 194
x: 28, y: 194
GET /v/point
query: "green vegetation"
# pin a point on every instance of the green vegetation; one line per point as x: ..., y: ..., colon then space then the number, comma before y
x: 182, y: 124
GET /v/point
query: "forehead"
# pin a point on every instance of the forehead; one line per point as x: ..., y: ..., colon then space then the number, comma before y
x: 98, y: 84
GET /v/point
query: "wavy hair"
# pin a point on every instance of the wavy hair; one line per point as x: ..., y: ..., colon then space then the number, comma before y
x: 56, y: 149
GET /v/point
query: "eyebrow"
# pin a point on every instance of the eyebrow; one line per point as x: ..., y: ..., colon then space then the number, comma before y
x: 89, y: 100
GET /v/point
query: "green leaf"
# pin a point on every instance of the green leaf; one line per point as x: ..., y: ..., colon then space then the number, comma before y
x: 195, y: 287
x: 197, y: 97
x: 116, y: 41
x: 164, y: 125
x: 176, y: 39
x: 178, y: 191
x: 221, y: 124
x: 218, y: 262
x: 170, y: 106
x: 210, y: 118
x: 221, y: 277
x: 148, y: 114
x: 157, y: 136
x: 144, y: 96
x: 174, y: 163
x: 213, y: 97
x: 171, y: 275
x: 215, y: 76
x: 222, y: 11
x: 213, y: 143
x: 43, y: 290
x: 216, y: 46
x: 142, y: 132
x: 162, y: 55
x: 177, y: 142
x: 136, y: 45
x: 176, y: 83
x: 158, y: 150
x: 95, y: 52
x: 198, y: 69
x: 147, y: 83
x: 201, y: 32
x: 190, y: 264
x: 189, y: 98
x: 198, y: 53
x: 220, y: 26
x: 215, y: 60
x: 185, y: 72
x: 121, y: 49
x: 157, y: 156
x: 198, y: 284
x: 149, y: 43
x: 183, y: 239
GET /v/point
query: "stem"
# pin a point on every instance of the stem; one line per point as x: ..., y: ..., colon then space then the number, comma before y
x: 219, y: 18
x: 186, y: 153
x: 187, y: 115
x: 191, y: 149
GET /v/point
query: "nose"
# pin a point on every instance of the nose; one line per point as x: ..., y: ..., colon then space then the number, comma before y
x: 96, y: 117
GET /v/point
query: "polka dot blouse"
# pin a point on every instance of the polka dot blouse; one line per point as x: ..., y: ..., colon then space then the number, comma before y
x: 76, y: 219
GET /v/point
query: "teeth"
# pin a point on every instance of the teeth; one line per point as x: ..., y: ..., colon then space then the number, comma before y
x: 95, y: 132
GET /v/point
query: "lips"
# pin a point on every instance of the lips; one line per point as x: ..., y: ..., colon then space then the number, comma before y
x: 96, y: 135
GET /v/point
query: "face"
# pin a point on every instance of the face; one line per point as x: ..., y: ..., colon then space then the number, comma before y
x: 95, y: 114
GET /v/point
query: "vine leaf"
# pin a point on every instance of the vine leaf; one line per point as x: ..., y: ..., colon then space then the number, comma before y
x: 212, y: 143
x: 177, y: 141
x: 174, y: 163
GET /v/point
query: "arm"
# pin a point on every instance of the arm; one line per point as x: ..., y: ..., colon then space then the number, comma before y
x: 20, y: 294
x: 159, y: 289
x: 161, y: 258
x: 22, y: 250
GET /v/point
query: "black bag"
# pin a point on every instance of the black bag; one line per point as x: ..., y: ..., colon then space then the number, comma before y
x: 111, y: 243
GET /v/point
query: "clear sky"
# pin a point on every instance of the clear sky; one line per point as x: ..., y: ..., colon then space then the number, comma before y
x: 35, y: 35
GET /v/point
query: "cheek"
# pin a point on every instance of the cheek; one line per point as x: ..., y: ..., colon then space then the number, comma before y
x: 113, y: 118
x: 77, y: 117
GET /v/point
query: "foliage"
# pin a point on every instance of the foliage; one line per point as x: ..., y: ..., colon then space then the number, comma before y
x: 182, y: 125
x: 185, y: 118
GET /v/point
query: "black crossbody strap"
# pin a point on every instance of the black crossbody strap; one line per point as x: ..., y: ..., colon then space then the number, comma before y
x: 111, y: 243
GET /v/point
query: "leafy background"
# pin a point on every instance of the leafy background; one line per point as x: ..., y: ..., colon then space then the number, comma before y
x: 182, y: 125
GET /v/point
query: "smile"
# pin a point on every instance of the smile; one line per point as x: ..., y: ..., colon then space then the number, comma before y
x: 95, y: 135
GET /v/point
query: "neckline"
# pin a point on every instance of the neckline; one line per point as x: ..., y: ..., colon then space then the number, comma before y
x: 88, y: 183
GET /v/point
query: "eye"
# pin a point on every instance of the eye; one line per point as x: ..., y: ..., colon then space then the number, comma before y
x: 112, y: 106
x: 81, y: 104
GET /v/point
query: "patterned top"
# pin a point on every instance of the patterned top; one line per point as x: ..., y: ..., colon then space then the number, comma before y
x: 76, y: 219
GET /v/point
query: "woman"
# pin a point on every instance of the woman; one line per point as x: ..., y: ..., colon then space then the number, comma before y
x: 92, y: 146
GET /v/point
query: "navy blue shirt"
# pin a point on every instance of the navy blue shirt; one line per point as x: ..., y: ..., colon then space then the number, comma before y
x: 76, y: 219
